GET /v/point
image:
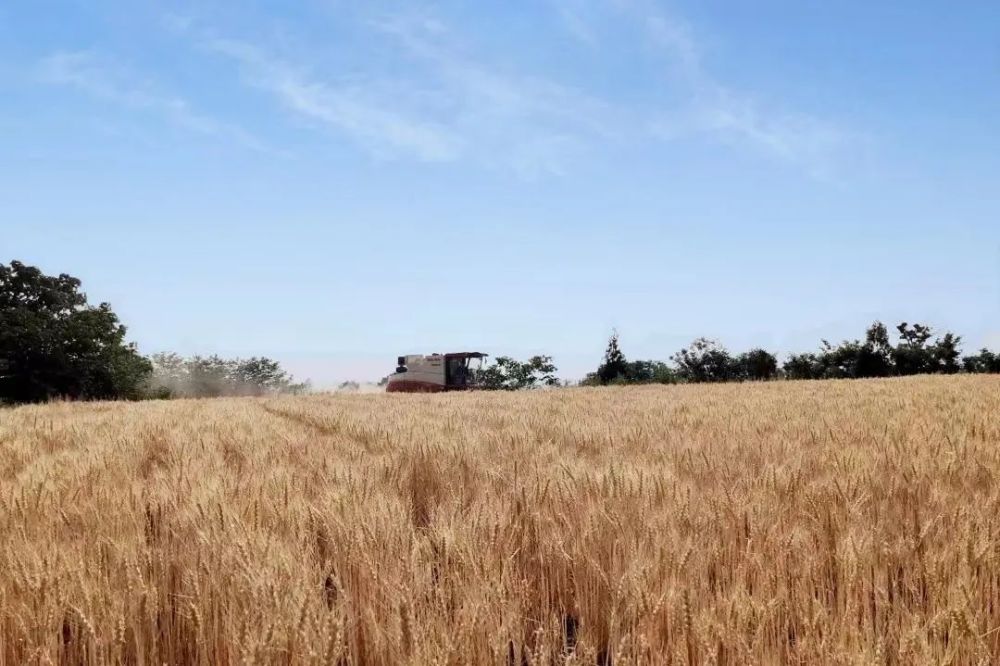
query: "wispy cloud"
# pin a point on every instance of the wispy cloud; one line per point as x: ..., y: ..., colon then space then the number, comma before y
x: 459, y: 108
x: 735, y: 115
x: 575, y: 17
x: 478, y: 88
x: 676, y: 37
x: 433, y: 96
x: 105, y: 79
x: 700, y: 102
x: 362, y: 109
x: 532, y: 123
x: 800, y: 138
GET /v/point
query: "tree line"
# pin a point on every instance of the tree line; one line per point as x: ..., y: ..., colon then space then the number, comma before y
x: 704, y: 360
x: 174, y: 376
x: 53, y: 344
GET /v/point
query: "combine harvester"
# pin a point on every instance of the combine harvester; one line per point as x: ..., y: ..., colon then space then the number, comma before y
x: 436, y: 373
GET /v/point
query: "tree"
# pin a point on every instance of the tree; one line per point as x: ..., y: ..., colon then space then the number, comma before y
x: 851, y: 359
x: 946, y: 353
x: 649, y: 372
x: 840, y: 361
x: 636, y: 372
x: 507, y: 374
x: 802, y: 366
x: 213, y: 376
x: 614, y: 365
x: 54, y: 344
x: 984, y: 361
x: 169, y: 376
x: 911, y: 355
x: 757, y: 364
x: 261, y: 375
x: 874, y: 357
x: 705, y: 360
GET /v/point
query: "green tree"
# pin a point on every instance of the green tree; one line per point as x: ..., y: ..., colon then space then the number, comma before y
x: 946, y: 352
x: 874, y: 357
x: 757, y: 364
x: 705, y: 360
x: 213, y: 376
x: 54, y: 344
x: 649, y: 372
x: 984, y: 361
x: 614, y: 366
x: 260, y: 375
x: 803, y: 366
x: 877, y: 357
x: 852, y: 359
x: 508, y: 374
x: 911, y: 355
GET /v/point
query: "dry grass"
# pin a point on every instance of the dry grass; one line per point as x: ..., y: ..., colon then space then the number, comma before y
x: 814, y: 522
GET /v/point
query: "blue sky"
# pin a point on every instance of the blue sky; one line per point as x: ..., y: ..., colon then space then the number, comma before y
x: 335, y: 183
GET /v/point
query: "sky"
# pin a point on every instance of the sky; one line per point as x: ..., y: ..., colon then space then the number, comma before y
x: 334, y: 183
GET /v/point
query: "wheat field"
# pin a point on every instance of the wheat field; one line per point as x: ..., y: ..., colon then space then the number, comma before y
x: 849, y: 522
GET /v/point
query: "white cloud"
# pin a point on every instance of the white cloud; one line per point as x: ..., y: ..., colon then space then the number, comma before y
x: 677, y: 37
x: 424, y: 91
x: 734, y: 115
x: 359, y: 109
x: 572, y: 17
x: 813, y: 144
x: 532, y: 124
x: 101, y: 78
x: 458, y: 108
x: 480, y: 89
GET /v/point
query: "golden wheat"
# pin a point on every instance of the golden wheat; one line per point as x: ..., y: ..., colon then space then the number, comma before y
x: 800, y: 522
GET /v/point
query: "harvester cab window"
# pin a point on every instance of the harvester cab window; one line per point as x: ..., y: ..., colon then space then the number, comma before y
x: 458, y: 374
x: 474, y: 365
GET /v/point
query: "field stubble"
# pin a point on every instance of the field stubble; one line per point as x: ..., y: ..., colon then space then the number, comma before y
x: 799, y: 522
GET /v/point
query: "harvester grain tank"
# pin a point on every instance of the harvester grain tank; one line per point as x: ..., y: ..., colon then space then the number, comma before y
x: 434, y: 373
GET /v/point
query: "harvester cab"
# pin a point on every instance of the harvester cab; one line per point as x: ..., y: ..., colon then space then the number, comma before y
x: 416, y: 373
